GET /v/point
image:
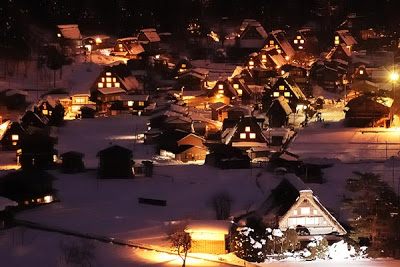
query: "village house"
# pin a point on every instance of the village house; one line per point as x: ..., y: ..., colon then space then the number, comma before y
x: 136, y: 104
x: 252, y: 36
x: 195, y: 79
x: 208, y: 236
x: 247, y: 133
x: 33, y: 118
x: 344, y: 37
x: 181, y: 66
x: 227, y: 157
x: 95, y: 42
x: 277, y: 39
x: 182, y: 146
x: 72, y: 162
x: 70, y: 38
x: 368, y: 110
x: 287, y: 88
x: 219, y: 111
x: 278, y: 113
x: 298, y: 74
x: 37, y: 152
x: 13, y: 98
x: 293, y: 204
x: 11, y: 134
x: 271, y: 59
x: 149, y: 39
x: 340, y: 52
x: 128, y: 47
x: 305, y: 40
x: 115, y: 162
x: 326, y: 75
x: 223, y: 91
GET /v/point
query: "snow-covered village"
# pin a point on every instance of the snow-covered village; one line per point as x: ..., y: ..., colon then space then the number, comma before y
x: 200, y: 133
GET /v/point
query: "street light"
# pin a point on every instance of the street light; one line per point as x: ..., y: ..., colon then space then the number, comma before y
x: 394, y: 77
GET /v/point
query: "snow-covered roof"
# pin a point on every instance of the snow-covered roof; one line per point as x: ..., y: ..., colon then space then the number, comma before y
x: 210, y: 226
x: 112, y: 90
x: 3, y: 128
x: 70, y: 31
x: 347, y: 38
x: 134, y: 97
x: 49, y: 99
x: 218, y: 105
x: 130, y: 83
x: 5, y: 202
x: 16, y: 92
x: 151, y: 35
x: 279, y: 36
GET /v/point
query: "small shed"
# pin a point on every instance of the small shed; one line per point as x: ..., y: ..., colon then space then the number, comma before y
x: 116, y: 162
x: 5, y: 214
x: 72, y: 162
x: 208, y: 236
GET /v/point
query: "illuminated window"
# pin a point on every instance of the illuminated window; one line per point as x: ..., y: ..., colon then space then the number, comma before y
x: 14, y: 143
x: 298, y: 37
x: 50, y: 112
x: 183, y: 66
x: 59, y: 35
x: 103, y: 79
x: 45, y: 112
x: 15, y: 137
x: 361, y: 72
x: 120, y: 45
x: 109, y: 85
x: 315, y: 212
x: 252, y: 136
x: 276, y: 94
x: 279, y: 51
x: 295, y: 212
x: 336, y: 38
x: 220, y: 91
x: 236, y: 86
x: 48, y: 199
x: 287, y: 94
x: 302, y: 41
x: 141, y: 103
x: 79, y: 100
x: 220, y: 86
x: 100, y: 85
x: 251, y: 63
x: 271, y: 42
x: 240, y: 92
x: 116, y: 85
x: 276, y: 46
x: 108, y: 79
x: 108, y: 73
x: 264, y: 56
x: 296, y: 41
x: 130, y: 103
x: 243, y: 136
x: 247, y: 129
x: 305, y: 210
x: 281, y: 87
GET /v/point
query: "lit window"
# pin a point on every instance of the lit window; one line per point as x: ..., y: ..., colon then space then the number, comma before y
x: 287, y: 94
x: 108, y: 73
x: 247, y: 129
x: 120, y: 45
x: 15, y: 137
x: 361, y: 72
x: 116, y: 85
x: 240, y: 92
x: 220, y: 86
x: 48, y: 199
x: 130, y: 103
x: 302, y: 41
x: 141, y: 103
x: 279, y: 51
x: 252, y: 136
x: 109, y: 85
x: 103, y: 79
x: 264, y: 56
x: 295, y: 212
x: 276, y: 46
x: 236, y: 86
x: 100, y: 85
x: 281, y: 87
x: 305, y: 210
x: 59, y: 35
x: 45, y: 111
x: 243, y: 136
x: 14, y: 143
x: 276, y: 94
x: 271, y: 42
x: 183, y: 66
x: 114, y: 80
x: 298, y: 37
x: 108, y: 79
x: 251, y: 63
x: 336, y: 38
x: 315, y: 212
x: 296, y: 41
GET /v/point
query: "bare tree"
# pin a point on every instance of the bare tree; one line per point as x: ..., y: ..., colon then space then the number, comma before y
x: 221, y: 203
x: 180, y: 240
x: 80, y: 254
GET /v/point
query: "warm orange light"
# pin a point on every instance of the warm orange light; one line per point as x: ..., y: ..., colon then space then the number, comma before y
x: 98, y: 40
x: 15, y: 137
x: 394, y: 77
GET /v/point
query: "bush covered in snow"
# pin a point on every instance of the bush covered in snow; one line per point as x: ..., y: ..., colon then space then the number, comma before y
x: 318, y: 248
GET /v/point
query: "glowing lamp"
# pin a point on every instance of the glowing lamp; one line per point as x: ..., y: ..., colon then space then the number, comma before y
x: 394, y: 77
x: 98, y: 40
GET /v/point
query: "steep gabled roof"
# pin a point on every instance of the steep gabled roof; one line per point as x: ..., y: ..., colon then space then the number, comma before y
x: 70, y: 31
x: 292, y: 86
x: 283, y: 103
x: 280, y: 38
x: 335, y: 49
x: 115, y: 150
x: 347, y: 38
x: 151, y: 35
